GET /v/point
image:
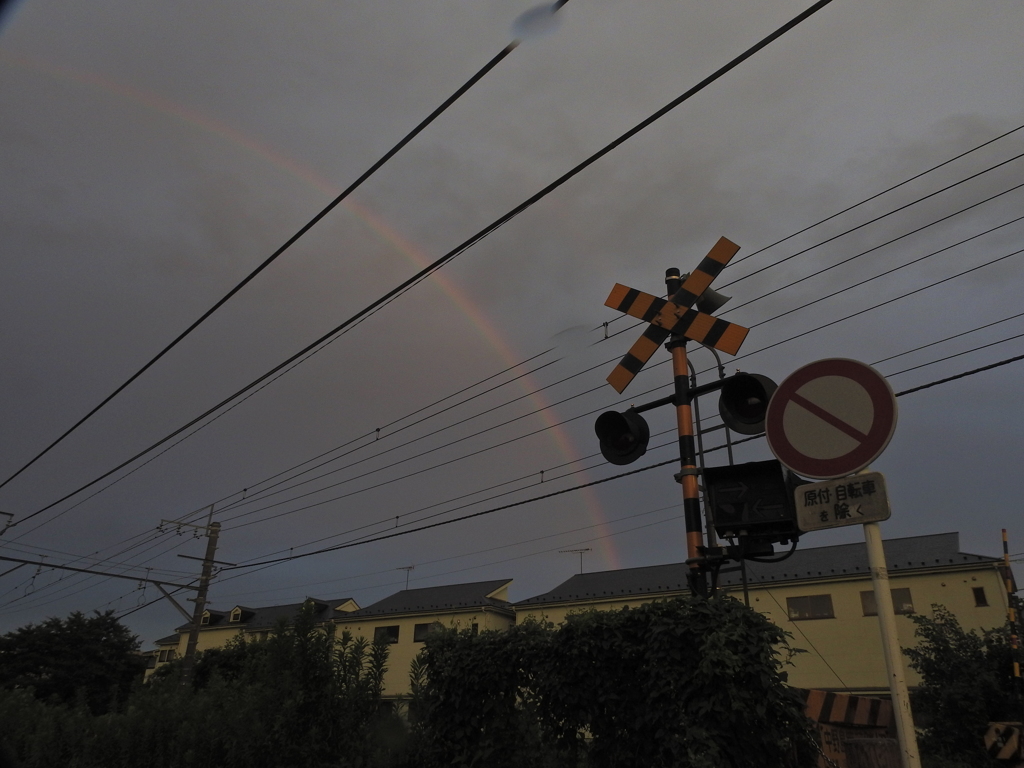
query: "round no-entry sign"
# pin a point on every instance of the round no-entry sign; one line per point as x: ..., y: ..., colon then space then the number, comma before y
x: 831, y: 418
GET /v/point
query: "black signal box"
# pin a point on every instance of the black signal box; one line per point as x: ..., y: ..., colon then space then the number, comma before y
x: 753, y: 500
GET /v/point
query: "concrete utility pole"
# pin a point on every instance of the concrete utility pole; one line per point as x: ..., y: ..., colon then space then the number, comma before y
x: 212, y: 531
x: 891, y: 648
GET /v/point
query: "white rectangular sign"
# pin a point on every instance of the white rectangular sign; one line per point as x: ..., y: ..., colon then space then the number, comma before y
x: 847, y: 501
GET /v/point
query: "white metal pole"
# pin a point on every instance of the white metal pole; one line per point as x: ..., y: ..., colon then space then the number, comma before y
x: 891, y: 648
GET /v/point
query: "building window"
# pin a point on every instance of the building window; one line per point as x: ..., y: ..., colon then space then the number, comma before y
x: 901, y: 602
x: 205, y: 619
x: 236, y: 615
x: 386, y: 634
x: 475, y: 629
x: 420, y: 631
x: 979, y: 597
x: 810, y: 607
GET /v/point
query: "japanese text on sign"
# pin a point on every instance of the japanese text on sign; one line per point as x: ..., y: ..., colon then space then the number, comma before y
x: 847, y: 501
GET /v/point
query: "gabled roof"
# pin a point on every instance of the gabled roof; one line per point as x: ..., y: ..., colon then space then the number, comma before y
x: 450, y: 597
x: 169, y: 640
x: 267, y: 617
x: 940, y: 550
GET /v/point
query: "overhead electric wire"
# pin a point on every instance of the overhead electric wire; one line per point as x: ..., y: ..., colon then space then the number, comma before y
x: 871, y: 221
x: 958, y: 354
x: 890, y: 242
x: 949, y: 338
x: 809, y: 227
x: 815, y: 301
x: 763, y: 322
x: 294, y: 238
x: 573, y: 488
x: 498, y: 223
x: 965, y: 374
x: 458, y: 557
x: 676, y: 517
x: 263, y: 493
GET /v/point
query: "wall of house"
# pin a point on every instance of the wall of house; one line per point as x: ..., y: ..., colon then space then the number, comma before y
x: 396, y: 680
x: 844, y: 651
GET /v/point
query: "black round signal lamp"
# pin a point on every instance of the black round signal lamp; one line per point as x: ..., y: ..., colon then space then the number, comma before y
x: 743, y: 404
x: 623, y: 436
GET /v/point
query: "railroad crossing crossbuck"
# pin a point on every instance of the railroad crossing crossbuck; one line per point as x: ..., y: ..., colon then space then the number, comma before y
x: 675, y: 316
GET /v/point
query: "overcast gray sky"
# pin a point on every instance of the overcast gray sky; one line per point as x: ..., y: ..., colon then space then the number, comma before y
x: 152, y: 154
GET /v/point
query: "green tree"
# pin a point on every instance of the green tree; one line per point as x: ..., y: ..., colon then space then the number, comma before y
x: 687, y: 683
x: 966, y: 682
x: 93, y: 659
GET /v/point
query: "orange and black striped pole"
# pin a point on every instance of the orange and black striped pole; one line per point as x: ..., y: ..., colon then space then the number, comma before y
x: 688, y: 471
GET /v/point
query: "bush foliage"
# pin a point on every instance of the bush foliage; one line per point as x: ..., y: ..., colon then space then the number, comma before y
x: 300, y: 698
x: 966, y: 682
x: 687, y: 683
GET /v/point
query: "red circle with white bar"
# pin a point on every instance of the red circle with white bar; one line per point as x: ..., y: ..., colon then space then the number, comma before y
x: 831, y: 418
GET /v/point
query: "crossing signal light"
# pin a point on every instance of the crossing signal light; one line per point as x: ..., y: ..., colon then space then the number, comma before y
x: 623, y: 436
x: 743, y: 403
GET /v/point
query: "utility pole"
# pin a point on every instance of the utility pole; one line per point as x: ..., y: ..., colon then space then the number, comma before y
x: 212, y: 530
x: 1011, y: 619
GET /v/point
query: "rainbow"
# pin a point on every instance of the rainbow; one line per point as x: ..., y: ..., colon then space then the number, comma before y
x: 386, y: 232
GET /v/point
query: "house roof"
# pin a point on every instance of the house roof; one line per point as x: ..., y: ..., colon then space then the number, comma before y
x: 169, y: 640
x: 453, y: 596
x: 940, y: 550
x: 268, y: 616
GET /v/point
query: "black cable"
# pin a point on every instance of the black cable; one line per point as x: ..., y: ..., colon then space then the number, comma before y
x: 293, y: 239
x: 377, y: 431
x: 599, y: 409
x: 876, y: 195
x: 481, y: 513
x: 958, y: 354
x: 871, y: 221
x: 263, y: 492
x: 434, y: 266
x: 949, y: 338
x: 890, y: 242
x: 1007, y: 361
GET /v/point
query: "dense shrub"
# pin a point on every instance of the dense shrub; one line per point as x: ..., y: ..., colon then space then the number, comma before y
x: 966, y: 682
x: 687, y: 683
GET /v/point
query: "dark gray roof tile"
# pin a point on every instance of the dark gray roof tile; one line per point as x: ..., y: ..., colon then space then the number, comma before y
x: 913, y: 552
x: 446, y: 597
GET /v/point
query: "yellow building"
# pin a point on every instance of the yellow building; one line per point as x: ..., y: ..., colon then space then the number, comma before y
x: 406, y: 618
x: 402, y: 619
x: 822, y: 596
x: 217, y: 627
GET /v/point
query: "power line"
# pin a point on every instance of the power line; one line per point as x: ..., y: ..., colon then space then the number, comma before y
x: 589, y: 391
x: 958, y: 354
x: 872, y: 221
x: 575, y: 487
x: 877, y: 195
x: 890, y: 242
x: 293, y: 239
x: 949, y: 338
x: 930, y: 384
x: 434, y: 266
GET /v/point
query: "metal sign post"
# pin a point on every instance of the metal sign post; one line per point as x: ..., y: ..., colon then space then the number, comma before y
x: 891, y: 648
x: 827, y: 420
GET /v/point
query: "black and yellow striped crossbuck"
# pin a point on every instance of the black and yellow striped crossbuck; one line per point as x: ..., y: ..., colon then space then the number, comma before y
x: 675, y: 316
